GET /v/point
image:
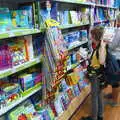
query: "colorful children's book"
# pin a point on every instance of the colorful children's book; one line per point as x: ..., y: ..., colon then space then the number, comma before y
x: 32, y: 18
x: 29, y: 9
x: 18, y: 51
x: 15, y: 18
x: 5, y: 20
x: 54, y: 10
x: 74, y: 17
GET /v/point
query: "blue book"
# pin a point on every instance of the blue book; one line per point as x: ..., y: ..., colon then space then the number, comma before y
x: 66, y: 17
x: 29, y: 10
x: 53, y: 11
x: 5, y: 20
x: 23, y: 18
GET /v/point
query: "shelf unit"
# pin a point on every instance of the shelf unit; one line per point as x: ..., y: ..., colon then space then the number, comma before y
x: 66, y: 115
x: 5, y: 36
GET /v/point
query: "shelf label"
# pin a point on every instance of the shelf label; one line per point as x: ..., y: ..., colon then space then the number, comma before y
x: 5, y: 74
x: 14, y: 70
x: 26, y: 32
x: 33, y: 63
x: 11, y: 34
x: 20, y: 68
x: 37, y: 60
x: 30, y: 64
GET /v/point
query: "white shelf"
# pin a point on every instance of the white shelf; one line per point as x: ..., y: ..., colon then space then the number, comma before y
x: 85, y: 3
x: 77, y: 45
x: 74, y: 2
x: 72, y: 26
x: 105, y: 6
x: 18, y: 32
x: 17, y: 102
x: 18, y: 68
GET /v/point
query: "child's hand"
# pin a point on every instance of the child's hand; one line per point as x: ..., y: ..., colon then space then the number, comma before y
x: 104, y: 43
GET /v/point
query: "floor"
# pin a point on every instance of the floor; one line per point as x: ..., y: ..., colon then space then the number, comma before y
x: 111, y: 113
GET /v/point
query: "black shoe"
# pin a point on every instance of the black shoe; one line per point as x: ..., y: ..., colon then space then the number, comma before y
x: 86, y: 118
x: 100, y: 118
x: 108, y: 96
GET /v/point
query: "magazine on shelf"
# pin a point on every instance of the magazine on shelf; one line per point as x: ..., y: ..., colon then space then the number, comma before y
x: 109, y: 33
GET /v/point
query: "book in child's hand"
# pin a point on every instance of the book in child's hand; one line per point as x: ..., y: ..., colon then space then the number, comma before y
x: 109, y: 33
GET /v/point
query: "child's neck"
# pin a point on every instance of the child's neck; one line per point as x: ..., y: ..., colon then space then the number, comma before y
x: 97, y: 43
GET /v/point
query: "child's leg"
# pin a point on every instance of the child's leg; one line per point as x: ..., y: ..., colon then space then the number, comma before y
x: 100, y: 104
x: 94, y: 97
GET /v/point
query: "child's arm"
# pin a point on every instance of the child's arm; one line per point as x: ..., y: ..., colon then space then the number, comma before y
x: 102, y: 52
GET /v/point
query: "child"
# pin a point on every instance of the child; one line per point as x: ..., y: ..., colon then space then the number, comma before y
x: 95, y: 69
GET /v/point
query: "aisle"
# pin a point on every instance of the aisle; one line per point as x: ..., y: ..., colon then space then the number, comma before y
x: 111, y: 113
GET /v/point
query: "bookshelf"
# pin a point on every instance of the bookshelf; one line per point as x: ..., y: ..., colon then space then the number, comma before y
x: 66, y: 114
x: 19, y: 44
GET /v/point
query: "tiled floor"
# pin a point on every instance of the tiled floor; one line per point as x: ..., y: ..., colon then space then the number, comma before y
x: 111, y: 113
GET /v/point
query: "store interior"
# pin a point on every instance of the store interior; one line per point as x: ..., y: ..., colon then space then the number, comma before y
x: 45, y: 49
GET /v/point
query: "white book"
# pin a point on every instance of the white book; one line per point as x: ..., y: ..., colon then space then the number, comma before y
x: 109, y: 33
x: 29, y: 47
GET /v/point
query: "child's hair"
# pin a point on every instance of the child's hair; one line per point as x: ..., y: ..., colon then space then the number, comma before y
x: 118, y: 17
x: 97, y: 32
x: 118, y: 20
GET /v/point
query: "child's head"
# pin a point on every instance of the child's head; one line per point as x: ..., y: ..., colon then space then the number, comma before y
x: 96, y: 34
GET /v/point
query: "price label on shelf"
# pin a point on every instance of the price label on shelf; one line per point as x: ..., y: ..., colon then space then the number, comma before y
x: 38, y: 60
x: 36, y: 30
x: 26, y: 32
x: 7, y: 73
x: 13, y: 70
x: 20, y: 68
x: 27, y: 64
x: 11, y: 34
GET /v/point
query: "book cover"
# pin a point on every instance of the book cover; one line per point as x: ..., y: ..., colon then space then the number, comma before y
x: 30, y: 7
x: 109, y: 33
x: 5, y: 20
x: 74, y: 17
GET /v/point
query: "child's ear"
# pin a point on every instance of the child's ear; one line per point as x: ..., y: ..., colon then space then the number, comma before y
x: 93, y: 36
